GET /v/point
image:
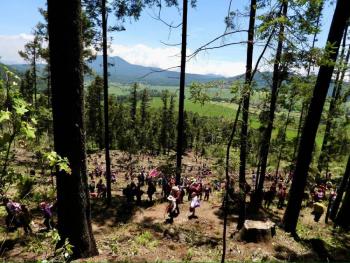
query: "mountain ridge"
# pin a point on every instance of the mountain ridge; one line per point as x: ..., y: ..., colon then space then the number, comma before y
x: 123, y: 72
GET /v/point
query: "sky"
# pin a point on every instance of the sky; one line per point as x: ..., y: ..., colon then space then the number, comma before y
x: 141, y: 43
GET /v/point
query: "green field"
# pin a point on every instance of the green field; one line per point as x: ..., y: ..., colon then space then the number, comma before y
x: 219, y: 109
x: 208, y: 109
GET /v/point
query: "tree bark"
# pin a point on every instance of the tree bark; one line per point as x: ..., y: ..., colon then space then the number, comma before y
x: 300, y: 125
x: 228, y: 181
x: 280, y: 151
x: 340, y: 192
x: 341, y: 15
x: 105, y: 103
x: 73, y: 204
x: 48, y: 86
x: 342, y: 218
x: 245, y: 115
x: 180, y: 125
x: 34, y: 72
x: 276, y: 82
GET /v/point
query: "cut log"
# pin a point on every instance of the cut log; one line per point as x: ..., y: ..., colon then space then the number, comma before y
x: 257, y: 231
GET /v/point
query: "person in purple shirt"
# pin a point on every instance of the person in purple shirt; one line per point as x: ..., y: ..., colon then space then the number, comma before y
x: 47, y: 213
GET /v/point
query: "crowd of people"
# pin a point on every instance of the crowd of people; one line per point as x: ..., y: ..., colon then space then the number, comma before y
x: 320, y: 193
x: 194, y: 188
x: 196, y: 185
x: 18, y: 216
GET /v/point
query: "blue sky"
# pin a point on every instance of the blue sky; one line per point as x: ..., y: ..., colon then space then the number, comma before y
x: 141, y: 42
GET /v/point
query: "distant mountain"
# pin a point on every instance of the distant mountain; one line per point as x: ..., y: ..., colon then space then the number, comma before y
x: 22, y: 68
x: 121, y: 71
x: 261, y: 79
x: 10, y: 68
x: 124, y: 72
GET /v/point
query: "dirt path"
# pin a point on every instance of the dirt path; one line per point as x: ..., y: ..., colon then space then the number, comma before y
x: 207, y: 210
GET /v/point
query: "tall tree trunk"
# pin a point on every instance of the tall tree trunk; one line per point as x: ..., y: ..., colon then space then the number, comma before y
x: 105, y: 103
x: 228, y: 181
x: 323, y: 159
x: 34, y: 73
x: 73, y: 204
x: 300, y: 125
x: 100, y: 119
x: 342, y: 218
x: 276, y: 82
x: 48, y: 85
x: 341, y: 15
x: 245, y: 115
x: 6, y: 160
x: 340, y: 192
x: 284, y: 135
x: 180, y: 125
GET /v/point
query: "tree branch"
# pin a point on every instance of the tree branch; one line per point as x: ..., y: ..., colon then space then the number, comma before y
x: 157, y: 71
x: 203, y: 48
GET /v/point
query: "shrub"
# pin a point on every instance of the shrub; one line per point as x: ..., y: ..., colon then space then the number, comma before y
x: 25, y: 186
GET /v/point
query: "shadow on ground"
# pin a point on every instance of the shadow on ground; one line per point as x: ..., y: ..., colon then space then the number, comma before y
x: 120, y: 210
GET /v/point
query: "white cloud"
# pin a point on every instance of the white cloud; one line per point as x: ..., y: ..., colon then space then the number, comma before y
x: 161, y: 57
x: 10, y: 45
x: 167, y: 57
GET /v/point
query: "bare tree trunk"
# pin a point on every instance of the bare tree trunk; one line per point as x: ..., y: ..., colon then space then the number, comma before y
x: 340, y: 17
x: 296, y: 144
x: 48, y: 85
x: 180, y: 125
x: 105, y: 103
x: 340, y: 192
x: 73, y: 203
x: 34, y: 73
x: 284, y: 135
x: 342, y: 218
x: 228, y: 181
x: 6, y: 160
x: 245, y: 115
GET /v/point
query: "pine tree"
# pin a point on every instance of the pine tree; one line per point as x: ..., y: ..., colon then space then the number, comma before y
x: 163, y: 139
x: 245, y: 113
x: 180, y: 125
x: 27, y: 86
x: 133, y: 102
x: 94, y: 115
x: 171, y: 124
x: 105, y: 96
x: 276, y: 82
x: 144, y: 121
x: 31, y: 54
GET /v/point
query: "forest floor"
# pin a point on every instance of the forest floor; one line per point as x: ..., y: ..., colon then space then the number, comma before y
x: 127, y: 232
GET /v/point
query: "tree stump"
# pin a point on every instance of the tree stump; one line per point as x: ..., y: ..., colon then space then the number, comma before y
x: 257, y: 231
